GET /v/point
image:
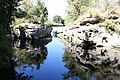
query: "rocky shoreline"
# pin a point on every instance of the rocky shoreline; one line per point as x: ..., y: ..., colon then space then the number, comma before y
x: 93, y: 46
x: 92, y: 30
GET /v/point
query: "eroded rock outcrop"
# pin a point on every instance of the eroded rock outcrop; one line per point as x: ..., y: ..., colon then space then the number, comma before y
x: 31, y: 31
x: 100, y: 34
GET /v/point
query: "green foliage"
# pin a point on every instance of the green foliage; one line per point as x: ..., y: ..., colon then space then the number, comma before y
x: 57, y: 19
x: 5, y: 48
x: 94, y: 13
x: 76, y: 7
x: 70, y: 19
x: 48, y: 23
x: 94, y: 8
x: 42, y: 10
x: 20, y: 13
x: 7, y: 9
x: 34, y: 13
x: 111, y: 26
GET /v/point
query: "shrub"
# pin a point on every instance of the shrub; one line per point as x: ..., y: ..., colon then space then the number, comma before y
x: 111, y: 26
x: 70, y: 19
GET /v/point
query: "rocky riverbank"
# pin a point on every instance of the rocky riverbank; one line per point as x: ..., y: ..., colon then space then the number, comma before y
x: 101, y: 32
x: 85, y: 58
x: 92, y: 46
x: 30, y: 31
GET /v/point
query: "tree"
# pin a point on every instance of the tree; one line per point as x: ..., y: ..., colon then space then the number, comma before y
x: 69, y: 19
x: 20, y: 13
x: 57, y: 19
x: 76, y: 7
x: 7, y: 9
x: 25, y: 10
x: 41, y: 11
x: 35, y: 13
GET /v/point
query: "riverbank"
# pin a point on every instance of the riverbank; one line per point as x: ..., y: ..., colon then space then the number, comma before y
x: 103, y: 33
x: 91, y: 50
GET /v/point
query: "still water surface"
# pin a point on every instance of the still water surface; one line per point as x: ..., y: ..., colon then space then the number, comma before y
x: 51, y: 59
x: 52, y: 68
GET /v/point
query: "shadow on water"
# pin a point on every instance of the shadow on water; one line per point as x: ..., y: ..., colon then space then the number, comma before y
x: 28, y: 54
x: 91, y: 63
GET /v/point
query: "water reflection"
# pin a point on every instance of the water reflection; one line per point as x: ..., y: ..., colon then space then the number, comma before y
x: 91, y: 63
x: 30, y: 54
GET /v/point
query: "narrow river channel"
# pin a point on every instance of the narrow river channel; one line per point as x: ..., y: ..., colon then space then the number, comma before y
x: 52, y: 68
x: 55, y: 59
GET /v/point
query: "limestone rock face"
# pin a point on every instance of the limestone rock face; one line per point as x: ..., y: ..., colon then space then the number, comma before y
x: 40, y: 33
x: 31, y: 31
x: 97, y: 34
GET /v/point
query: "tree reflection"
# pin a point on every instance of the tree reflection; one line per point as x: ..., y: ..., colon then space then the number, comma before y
x: 28, y: 54
x: 33, y: 53
x: 91, y: 63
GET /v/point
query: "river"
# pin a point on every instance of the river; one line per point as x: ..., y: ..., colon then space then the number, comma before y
x: 51, y: 58
x: 51, y: 68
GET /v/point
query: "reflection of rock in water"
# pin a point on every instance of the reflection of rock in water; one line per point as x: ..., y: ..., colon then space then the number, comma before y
x: 85, y: 63
x: 22, y: 43
x: 31, y: 52
x: 41, y: 42
x: 34, y: 43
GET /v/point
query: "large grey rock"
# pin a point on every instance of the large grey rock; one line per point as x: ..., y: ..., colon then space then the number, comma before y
x: 32, y: 31
x: 40, y: 33
x: 97, y: 34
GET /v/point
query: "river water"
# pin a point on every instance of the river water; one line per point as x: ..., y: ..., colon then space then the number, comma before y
x: 51, y: 58
x: 51, y: 67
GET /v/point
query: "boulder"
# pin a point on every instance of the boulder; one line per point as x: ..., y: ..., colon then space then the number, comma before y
x: 40, y: 33
x: 90, y: 20
x: 31, y: 31
x: 97, y: 34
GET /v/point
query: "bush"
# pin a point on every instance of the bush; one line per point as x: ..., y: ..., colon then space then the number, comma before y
x: 111, y: 26
x: 70, y: 19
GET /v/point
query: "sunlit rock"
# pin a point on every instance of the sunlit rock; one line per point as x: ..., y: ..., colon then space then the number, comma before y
x: 32, y: 31
x: 98, y: 35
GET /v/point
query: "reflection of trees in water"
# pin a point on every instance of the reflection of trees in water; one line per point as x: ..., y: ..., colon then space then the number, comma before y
x: 7, y: 70
x: 9, y: 73
x: 30, y: 57
x: 26, y: 52
x: 87, y: 63
x: 32, y: 52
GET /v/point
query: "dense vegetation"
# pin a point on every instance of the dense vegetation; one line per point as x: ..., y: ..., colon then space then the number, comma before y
x: 57, y: 21
x: 7, y: 10
x: 96, y: 8
x: 12, y: 11
x: 29, y: 12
